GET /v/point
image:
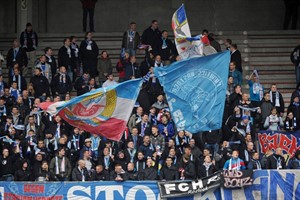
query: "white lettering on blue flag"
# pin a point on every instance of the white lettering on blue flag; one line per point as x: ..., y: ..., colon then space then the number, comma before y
x: 196, y: 90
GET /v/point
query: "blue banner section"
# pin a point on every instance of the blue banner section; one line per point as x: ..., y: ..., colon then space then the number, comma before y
x: 196, y: 90
x: 109, y: 190
x: 288, y: 141
x: 268, y: 185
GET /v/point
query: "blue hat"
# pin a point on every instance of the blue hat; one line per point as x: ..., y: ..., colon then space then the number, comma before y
x: 245, y: 117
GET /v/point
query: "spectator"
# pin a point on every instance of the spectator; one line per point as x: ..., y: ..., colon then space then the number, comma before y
x: 211, y: 140
x: 51, y: 60
x: 23, y: 174
x: 14, y: 90
x: 246, y: 154
x: 19, y: 79
x: 236, y: 74
x: 65, y: 57
x: 44, y: 174
x: 265, y: 107
x: 256, y: 89
x: 166, y: 48
x: 80, y: 173
x: 130, y: 152
x: 61, y: 166
x: 187, y: 169
x: 295, y: 58
x: 89, y: 52
x: 109, y: 81
x: 195, y: 150
x: 140, y: 163
x: 273, y: 122
x: 92, y: 85
x: 16, y: 55
x: 295, y: 109
x: 168, y: 172
x: 166, y: 127
x: 254, y: 163
x: 135, y: 138
x: 235, y: 98
x: 88, y: 7
x: 276, y: 99
x: 75, y: 144
x: 234, y: 163
x: 157, y: 140
x: 227, y: 43
x: 160, y: 104
x: 295, y: 161
x: 150, y: 172
x: 100, y: 174
x: 213, y: 42
x: 132, y: 69
x: 81, y: 83
x: 75, y: 58
x: 236, y: 57
x: 89, y: 163
x: 181, y: 141
x: 290, y: 123
x: 9, y: 99
x: 276, y: 161
x: 104, y: 67
x: 97, y: 145
x: 135, y: 118
x: 147, y: 147
x: 208, y: 167
x: 61, y: 84
x: 3, y: 84
x: 151, y: 36
x: 131, y: 40
x: 2, y: 109
x: 6, y: 165
x: 107, y: 160
x: 131, y: 173
x: 40, y: 84
x: 147, y: 63
x: 144, y: 126
x: 45, y: 67
x: 122, y: 62
x: 118, y: 174
x: 230, y: 87
x: 29, y: 41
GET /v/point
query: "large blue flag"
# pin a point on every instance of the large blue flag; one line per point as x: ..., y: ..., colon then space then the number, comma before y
x: 196, y: 91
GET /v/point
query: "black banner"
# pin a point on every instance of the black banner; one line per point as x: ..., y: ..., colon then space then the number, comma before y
x: 188, y: 187
x: 236, y: 178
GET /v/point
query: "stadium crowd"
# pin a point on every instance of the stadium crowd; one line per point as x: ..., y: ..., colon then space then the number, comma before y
x: 36, y: 146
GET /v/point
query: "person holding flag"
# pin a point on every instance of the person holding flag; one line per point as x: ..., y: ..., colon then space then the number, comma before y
x: 256, y: 89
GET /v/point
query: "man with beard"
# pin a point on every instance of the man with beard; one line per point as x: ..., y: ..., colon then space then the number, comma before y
x: 169, y: 171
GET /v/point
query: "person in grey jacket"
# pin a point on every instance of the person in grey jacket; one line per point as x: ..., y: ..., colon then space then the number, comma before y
x: 104, y: 67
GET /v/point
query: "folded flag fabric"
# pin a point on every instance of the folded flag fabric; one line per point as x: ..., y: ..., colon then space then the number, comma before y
x: 187, y: 46
x: 104, y: 111
x: 196, y: 89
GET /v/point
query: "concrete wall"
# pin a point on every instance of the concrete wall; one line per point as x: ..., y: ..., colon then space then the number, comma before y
x: 7, y: 16
x: 114, y: 15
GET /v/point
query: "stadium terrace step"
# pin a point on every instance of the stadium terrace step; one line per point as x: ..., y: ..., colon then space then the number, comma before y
x: 274, y: 41
x: 272, y: 49
x: 268, y: 72
x: 269, y: 59
x: 277, y: 77
x: 266, y: 51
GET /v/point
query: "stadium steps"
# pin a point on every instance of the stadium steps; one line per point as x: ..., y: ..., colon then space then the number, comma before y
x: 266, y: 51
x: 270, y: 54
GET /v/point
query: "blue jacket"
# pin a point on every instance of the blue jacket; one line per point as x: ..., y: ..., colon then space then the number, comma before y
x: 237, y: 77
